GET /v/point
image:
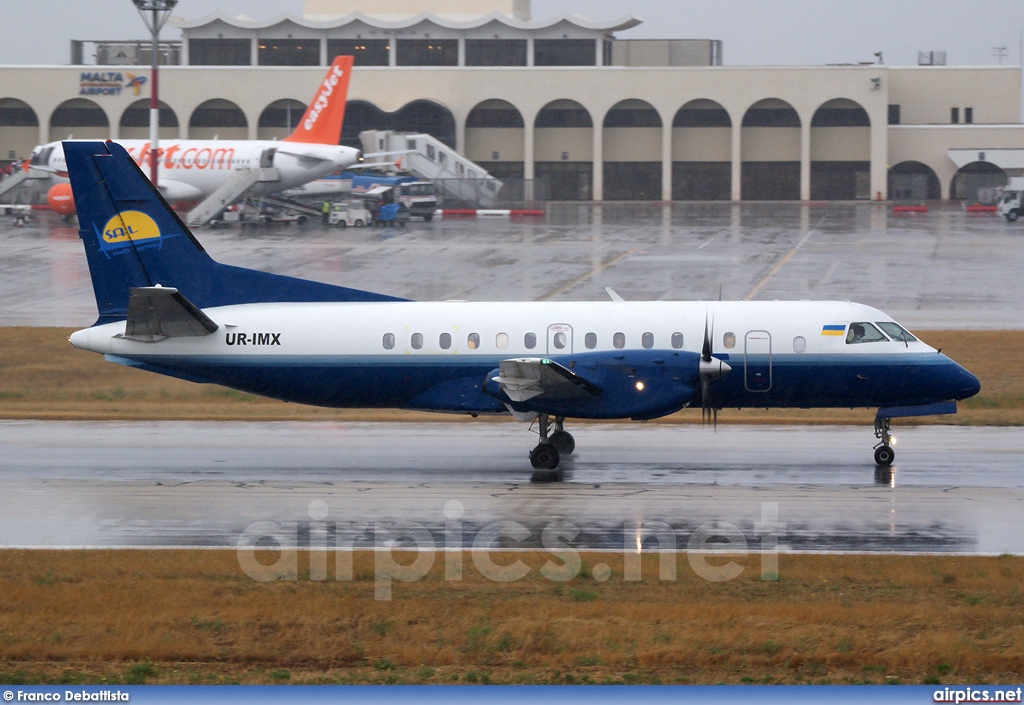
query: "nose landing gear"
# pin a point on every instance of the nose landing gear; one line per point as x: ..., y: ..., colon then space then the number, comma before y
x: 884, y: 454
x: 552, y: 445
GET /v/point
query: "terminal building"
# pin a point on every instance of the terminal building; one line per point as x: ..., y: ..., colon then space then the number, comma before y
x: 563, y: 101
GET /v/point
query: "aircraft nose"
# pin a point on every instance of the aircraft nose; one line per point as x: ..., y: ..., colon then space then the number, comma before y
x: 962, y: 384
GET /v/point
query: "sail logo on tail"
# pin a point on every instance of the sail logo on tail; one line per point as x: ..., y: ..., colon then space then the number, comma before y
x: 128, y: 228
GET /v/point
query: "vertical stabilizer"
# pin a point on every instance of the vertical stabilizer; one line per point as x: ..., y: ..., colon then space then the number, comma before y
x: 324, y: 117
x: 133, y: 239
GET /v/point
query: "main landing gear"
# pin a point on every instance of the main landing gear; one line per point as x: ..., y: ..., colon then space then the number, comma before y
x: 550, y: 449
x: 884, y: 454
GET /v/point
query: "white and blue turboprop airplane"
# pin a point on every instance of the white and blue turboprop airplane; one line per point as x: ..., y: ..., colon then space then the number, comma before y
x: 167, y: 307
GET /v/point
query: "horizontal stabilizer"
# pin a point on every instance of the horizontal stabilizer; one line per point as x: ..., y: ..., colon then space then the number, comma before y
x: 525, y: 378
x: 159, y: 312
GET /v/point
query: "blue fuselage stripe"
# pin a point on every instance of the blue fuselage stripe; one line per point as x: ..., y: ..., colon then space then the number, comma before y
x: 456, y: 382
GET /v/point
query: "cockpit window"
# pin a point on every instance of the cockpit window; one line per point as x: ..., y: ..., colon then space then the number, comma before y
x: 42, y: 158
x: 864, y: 333
x: 896, y: 332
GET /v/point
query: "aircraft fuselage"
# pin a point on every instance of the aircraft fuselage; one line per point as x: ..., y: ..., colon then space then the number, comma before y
x: 643, y: 355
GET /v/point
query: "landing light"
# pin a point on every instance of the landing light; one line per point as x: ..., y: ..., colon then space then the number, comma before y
x: 640, y: 386
x: 892, y: 440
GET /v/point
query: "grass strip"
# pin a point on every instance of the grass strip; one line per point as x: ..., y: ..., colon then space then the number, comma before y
x: 169, y: 616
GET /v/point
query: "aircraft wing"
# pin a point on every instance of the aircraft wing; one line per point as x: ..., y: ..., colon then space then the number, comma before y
x: 304, y: 157
x: 528, y: 377
x: 48, y: 170
x: 159, y: 312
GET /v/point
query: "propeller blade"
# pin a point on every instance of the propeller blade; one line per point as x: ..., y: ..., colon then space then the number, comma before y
x: 706, y: 350
x: 710, y: 368
x: 705, y: 400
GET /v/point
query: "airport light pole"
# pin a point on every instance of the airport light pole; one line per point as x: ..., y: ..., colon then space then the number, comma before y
x: 158, y: 13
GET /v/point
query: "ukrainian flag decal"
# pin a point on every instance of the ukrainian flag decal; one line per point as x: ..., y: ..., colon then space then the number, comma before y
x: 833, y: 330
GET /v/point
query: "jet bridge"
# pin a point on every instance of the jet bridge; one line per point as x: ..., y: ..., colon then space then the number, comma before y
x: 426, y: 157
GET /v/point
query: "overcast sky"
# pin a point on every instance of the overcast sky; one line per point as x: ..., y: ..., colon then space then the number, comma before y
x: 761, y: 32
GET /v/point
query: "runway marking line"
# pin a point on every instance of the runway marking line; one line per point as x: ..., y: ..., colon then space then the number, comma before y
x: 583, y: 277
x: 782, y: 262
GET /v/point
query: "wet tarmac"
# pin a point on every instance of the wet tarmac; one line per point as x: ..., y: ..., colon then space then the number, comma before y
x: 952, y: 489
x: 942, y: 269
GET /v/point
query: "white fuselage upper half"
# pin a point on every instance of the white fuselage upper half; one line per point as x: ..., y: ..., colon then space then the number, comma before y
x: 190, y: 170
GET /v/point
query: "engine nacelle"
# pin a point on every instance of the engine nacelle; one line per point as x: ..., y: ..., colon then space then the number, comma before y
x: 60, y: 199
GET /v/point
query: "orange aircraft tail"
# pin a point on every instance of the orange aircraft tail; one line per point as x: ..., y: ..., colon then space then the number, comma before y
x: 323, y: 119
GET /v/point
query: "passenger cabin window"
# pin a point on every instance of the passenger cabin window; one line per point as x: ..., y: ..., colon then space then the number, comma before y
x: 417, y: 341
x: 590, y: 340
x: 473, y: 341
x: 559, y: 341
x: 897, y: 332
x: 530, y: 341
x: 389, y: 341
x: 729, y: 341
x: 799, y: 344
x: 445, y: 341
x: 619, y: 341
x: 501, y: 340
x: 864, y: 333
x: 647, y: 340
x: 677, y: 341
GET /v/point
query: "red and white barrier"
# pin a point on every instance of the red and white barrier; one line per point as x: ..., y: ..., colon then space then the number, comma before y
x: 491, y: 212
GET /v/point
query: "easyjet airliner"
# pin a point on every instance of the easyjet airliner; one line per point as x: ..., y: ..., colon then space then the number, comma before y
x: 167, y: 307
x: 190, y: 170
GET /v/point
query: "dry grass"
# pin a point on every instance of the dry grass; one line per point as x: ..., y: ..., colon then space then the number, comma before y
x: 180, y: 616
x: 43, y: 377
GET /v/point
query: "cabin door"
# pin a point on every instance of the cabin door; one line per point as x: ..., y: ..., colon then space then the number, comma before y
x: 757, y: 361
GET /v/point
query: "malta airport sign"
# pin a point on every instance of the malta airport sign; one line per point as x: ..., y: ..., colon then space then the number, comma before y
x: 108, y: 82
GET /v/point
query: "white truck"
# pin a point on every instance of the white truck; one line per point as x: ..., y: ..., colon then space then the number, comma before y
x: 1011, y: 202
x: 350, y: 213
